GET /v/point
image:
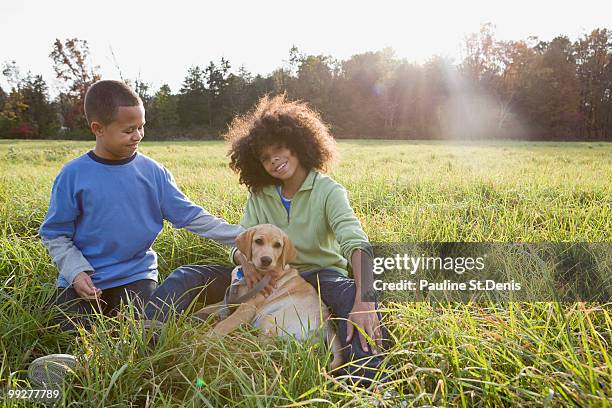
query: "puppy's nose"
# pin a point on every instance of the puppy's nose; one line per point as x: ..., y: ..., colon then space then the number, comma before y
x: 266, y: 260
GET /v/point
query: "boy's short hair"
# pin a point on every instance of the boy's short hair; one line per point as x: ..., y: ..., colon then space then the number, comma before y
x: 278, y: 121
x: 104, y: 97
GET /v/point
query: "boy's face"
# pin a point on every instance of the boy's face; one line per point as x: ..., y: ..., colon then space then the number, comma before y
x: 279, y: 162
x: 120, y: 138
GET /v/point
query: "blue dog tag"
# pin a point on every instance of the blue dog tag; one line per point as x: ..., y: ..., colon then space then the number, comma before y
x: 239, y: 274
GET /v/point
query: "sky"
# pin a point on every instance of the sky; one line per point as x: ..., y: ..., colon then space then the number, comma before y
x: 158, y: 41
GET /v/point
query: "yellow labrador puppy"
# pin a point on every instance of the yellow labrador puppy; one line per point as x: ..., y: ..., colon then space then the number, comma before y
x: 293, y: 308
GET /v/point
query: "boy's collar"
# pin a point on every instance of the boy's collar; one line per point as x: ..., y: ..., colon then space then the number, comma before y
x: 101, y: 160
x: 308, y: 184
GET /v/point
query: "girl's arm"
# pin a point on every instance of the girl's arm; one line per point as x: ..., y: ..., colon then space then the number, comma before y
x: 354, y: 245
x: 345, y: 224
x: 363, y: 313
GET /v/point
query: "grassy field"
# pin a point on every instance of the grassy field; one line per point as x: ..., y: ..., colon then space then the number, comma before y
x: 542, y: 354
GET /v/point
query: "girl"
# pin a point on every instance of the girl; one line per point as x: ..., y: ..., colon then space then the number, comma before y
x: 280, y: 151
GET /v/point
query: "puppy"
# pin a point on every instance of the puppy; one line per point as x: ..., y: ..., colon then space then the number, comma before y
x: 293, y: 308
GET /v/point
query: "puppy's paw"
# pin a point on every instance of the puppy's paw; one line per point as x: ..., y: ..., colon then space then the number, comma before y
x: 336, y: 362
x: 223, y: 327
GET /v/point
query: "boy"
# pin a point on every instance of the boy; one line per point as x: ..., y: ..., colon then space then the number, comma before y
x: 106, y: 209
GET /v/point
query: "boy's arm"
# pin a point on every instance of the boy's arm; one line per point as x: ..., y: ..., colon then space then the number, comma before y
x: 215, y: 228
x: 69, y: 260
x: 58, y: 228
x: 183, y: 213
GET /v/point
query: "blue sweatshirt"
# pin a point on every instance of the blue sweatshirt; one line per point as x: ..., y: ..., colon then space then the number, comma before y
x: 104, y: 216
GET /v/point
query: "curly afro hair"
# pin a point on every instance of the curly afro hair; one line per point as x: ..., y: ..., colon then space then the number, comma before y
x: 276, y: 121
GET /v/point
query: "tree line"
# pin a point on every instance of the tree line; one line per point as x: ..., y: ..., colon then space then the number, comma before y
x: 525, y: 89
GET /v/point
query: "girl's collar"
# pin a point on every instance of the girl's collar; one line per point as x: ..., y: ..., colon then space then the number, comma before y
x: 308, y: 184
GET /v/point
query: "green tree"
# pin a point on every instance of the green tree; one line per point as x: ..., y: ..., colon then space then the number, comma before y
x: 26, y: 111
x: 362, y: 99
x: 162, y: 113
x: 552, y: 95
x: 314, y: 81
x: 594, y: 69
x: 40, y: 112
x: 219, y: 103
x: 193, y: 99
x: 518, y: 59
x: 13, y: 105
x: 142, y: 89
x: 236, y: 95
x: 3, y: 97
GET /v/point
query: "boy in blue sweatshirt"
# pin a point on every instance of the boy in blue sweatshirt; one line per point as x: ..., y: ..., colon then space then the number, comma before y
x: 108, y: 206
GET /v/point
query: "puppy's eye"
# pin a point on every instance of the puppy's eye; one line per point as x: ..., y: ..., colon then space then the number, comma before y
x: 277, y: 245
x: 259, y: 241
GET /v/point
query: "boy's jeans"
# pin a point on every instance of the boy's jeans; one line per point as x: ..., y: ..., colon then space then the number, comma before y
x: 200, y: 284
x: 78, y: 308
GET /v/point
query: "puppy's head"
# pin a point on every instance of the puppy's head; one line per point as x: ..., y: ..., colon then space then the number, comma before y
x: 267, y: 246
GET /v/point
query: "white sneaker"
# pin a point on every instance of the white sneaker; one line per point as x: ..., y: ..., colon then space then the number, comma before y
x: 392, y: 397
x: 389, y: 398
x: 50, y: 371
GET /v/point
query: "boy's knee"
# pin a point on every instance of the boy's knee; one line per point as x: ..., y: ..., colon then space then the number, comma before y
x: 144, y: 289
x: 71, y: 311
x: 68, y: 301
x: 195, y: 275
x: 180, y: 278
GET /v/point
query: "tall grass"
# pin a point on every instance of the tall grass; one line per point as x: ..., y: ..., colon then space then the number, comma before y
x: 542, y: 354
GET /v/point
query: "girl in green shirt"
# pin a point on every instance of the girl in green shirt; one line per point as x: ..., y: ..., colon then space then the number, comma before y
x: 280, y: 151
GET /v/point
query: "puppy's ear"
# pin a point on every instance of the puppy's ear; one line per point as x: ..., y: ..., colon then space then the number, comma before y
x: 289, y: 252
x: 244, y: 241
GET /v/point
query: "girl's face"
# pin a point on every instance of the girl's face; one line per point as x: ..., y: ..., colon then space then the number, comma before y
x: 279, y: 162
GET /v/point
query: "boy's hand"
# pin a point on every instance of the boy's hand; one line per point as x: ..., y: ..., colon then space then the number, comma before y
x: 84, y: 287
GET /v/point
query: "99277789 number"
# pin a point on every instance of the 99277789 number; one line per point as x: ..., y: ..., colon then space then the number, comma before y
x: 30, y: 394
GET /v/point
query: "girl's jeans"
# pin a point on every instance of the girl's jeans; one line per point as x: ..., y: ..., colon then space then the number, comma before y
x: 200, y: 284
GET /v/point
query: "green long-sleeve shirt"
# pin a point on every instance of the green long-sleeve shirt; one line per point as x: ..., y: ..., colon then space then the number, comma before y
x: 321, y: 224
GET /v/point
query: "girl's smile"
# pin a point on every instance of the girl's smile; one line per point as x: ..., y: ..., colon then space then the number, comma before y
x: 280, y: 163
x: 281, y: 168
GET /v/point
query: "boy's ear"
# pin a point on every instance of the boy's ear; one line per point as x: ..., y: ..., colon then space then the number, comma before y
x: 289, y: 252
x: 96, y: 128
x: 244, y: 242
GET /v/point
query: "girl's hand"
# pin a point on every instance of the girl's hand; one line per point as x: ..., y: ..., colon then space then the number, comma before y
x: 364, y: 315
x: 251, y: 275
